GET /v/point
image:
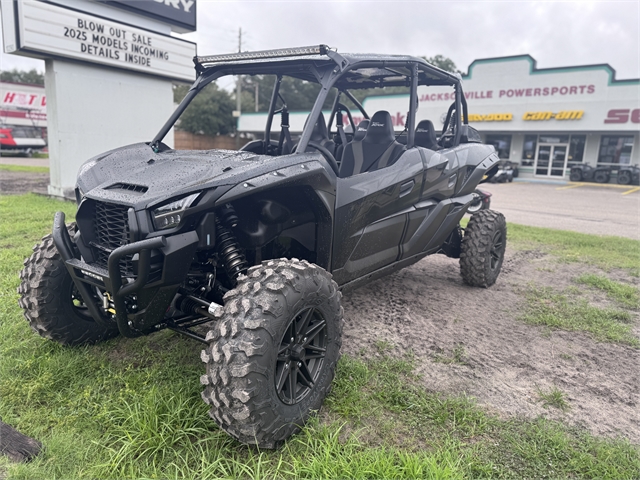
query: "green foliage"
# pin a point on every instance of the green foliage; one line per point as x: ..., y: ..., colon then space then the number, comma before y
x: 625, y: 294
x: 209, y: 113
x: 600, y: 250
x: 23, y: 168
x: 553, y: 397
x: 32, y: 77
x: 557, y: 310
x: 299, y: 95
x: 131, y: 408
x: 442, y: 62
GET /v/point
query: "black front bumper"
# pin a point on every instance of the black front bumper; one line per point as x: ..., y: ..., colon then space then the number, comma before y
x: 178, y: 252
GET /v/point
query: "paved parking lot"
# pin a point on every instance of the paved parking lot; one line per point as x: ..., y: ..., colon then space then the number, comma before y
x: 586, y: 208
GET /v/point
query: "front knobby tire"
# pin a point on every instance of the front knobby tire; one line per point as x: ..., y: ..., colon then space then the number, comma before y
x: 273, y: 352
x: 482, y: 249
x: 50, y: 301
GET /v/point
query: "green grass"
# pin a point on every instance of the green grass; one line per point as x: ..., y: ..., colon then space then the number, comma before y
x: 602, y: 251
x: 622, y: 293
x: 570, y: 312
x: 24, y: 168
x: 553, y: 397
x: 131, y: 408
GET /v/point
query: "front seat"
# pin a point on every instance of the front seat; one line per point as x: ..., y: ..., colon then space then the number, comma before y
x: 426, y: 135
x: 361, y: 131
x: 378, y: 148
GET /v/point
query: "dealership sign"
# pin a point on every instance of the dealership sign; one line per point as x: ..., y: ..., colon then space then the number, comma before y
x: 180, y: 13
x: 49, y: 30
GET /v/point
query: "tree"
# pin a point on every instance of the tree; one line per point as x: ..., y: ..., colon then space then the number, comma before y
x: 299, y: 94
x: 443, y: 63
x: 32, y: 77
x: 209, y: 113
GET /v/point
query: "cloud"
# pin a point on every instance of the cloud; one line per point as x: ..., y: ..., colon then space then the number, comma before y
x: 554, y: 33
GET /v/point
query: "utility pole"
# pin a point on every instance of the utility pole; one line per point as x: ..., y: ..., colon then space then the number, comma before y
x: 238, y: 92
x: 257, y: 95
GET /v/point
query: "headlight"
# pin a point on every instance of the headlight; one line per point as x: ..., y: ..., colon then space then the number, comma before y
x: 170, y: 215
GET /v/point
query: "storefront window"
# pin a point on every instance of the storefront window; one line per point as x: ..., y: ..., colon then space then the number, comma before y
x: 529, y: 150
x: 615, y: 149
x: 576, y: 149
x: 554, y: 138
x: 502, y: 144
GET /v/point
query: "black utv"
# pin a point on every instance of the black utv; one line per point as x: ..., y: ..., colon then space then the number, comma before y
x: 588, y: 173
x: 629, y: 175
x: 261, y: 242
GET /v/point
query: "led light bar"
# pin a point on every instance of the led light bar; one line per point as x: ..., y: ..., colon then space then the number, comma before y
x: 278, y: 53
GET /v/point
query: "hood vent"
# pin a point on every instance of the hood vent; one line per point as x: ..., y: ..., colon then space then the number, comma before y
x: 129, y: 187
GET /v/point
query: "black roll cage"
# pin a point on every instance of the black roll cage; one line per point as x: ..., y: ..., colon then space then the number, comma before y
x: 329, y: 69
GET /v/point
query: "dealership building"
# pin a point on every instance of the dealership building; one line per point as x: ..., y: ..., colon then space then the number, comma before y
x: 544, y: 119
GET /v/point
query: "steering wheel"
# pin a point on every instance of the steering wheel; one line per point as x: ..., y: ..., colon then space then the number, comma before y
x: 327, y: 155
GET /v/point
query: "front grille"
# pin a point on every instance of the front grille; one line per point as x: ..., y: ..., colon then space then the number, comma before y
x: 111, y: 230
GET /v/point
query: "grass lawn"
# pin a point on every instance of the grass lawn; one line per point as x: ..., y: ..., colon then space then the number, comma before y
x: 131, y: 408
x: 24, y: 168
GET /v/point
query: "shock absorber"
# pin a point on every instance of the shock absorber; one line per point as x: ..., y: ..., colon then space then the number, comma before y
x: 231, y: 254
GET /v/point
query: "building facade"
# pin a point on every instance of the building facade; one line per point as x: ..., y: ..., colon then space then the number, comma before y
x: 545, y: 120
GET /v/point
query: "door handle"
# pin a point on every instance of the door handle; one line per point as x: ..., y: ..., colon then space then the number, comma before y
x: 405, y: 188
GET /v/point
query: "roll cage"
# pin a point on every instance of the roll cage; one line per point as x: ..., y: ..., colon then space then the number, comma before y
x: 327, y: 68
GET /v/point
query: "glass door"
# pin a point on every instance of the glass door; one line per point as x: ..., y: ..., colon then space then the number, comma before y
x: 542, y: 159
x: 558, y: 161
x: 551, y: 160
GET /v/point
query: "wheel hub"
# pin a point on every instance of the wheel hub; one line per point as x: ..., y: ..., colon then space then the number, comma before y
x: 300, y: 356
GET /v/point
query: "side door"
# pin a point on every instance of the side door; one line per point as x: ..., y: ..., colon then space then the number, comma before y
x: 371, y: 216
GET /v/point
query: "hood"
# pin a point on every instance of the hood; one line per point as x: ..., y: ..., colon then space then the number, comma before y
x: 136, y: 175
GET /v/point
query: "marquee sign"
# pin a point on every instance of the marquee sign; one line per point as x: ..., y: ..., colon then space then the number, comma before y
x: 50, y: 30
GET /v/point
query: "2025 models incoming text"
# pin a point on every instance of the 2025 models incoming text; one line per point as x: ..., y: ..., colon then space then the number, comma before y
x: 261, y: 242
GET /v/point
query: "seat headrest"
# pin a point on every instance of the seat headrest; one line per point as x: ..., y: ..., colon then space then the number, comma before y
x: 425, y: 126
x: 426, y: 135
x: 361, y: 130
x: 380, y: 128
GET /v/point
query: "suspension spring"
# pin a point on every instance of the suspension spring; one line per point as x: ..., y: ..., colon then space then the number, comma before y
x: 231, y: 254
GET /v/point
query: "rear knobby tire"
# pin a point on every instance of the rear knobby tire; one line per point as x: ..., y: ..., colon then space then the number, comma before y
x: 50, y: 302
x: 624, y: 178
x: 482, y: 249
x: 601, y: 177
x: 575, y: 176
x: 247, y: 386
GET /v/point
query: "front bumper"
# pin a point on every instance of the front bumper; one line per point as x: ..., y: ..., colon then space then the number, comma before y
x: 155, y: 297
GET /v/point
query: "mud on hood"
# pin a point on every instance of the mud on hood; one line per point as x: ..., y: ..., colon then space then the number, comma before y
x: 136, y: 175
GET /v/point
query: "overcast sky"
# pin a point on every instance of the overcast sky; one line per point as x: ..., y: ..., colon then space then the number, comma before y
x: 554, y: 33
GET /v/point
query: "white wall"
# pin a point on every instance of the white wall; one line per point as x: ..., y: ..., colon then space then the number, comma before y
x: 93, y: 109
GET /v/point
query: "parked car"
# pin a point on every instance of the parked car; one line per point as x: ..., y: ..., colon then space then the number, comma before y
x: 19, y: 139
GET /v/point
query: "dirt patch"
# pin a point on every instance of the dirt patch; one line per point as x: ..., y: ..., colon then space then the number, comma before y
x: 488, y: 352
x: 16, y: 183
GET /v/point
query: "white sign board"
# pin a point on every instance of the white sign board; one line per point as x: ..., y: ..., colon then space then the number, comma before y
x: 51, y: 30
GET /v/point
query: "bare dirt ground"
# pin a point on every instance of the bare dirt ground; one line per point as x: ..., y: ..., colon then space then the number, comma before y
x: 15, y: 183
x: 426, y: 309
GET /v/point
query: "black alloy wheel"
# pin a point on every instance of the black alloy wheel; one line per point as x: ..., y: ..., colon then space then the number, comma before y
x: 301, y: 356
x: 272, y: 353
x: 497, y: 250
